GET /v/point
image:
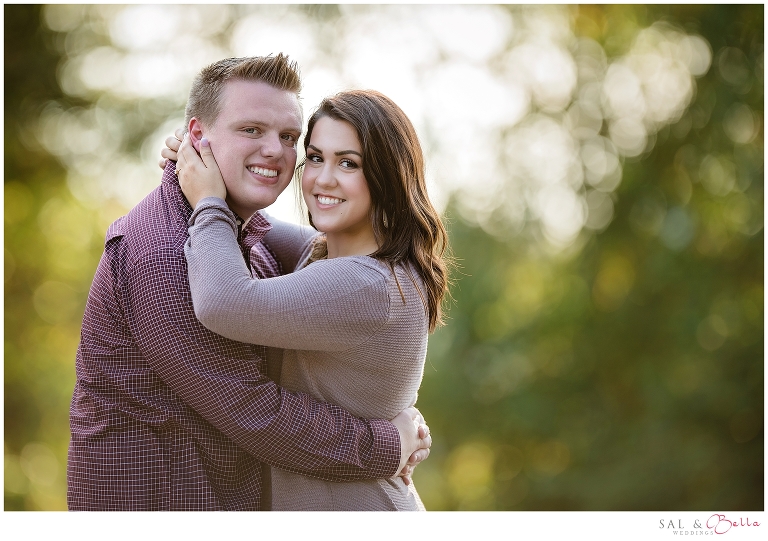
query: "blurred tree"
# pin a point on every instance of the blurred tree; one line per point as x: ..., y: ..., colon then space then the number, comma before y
x: 49, y: 262
x: 627, y: 375
x: 624, y: 372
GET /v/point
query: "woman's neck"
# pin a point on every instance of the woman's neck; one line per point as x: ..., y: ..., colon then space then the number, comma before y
x: 340, y: 245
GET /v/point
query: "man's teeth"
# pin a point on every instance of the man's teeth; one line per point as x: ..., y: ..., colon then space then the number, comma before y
x: 328, y: 200
x: 263, y: 172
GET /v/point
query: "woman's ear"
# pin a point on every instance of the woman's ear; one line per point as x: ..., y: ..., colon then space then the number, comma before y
x: 195, y: 133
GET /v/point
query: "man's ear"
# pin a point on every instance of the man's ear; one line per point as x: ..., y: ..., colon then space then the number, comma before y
x: 195, y: 132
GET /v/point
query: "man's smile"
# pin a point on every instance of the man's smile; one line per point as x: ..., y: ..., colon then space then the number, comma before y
x: 262, y: 171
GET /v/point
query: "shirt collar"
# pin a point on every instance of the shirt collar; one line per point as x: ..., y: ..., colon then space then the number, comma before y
x: 254, y: 230
x: 172, y: 181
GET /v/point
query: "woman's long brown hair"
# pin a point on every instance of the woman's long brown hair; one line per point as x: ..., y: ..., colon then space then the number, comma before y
x: 406, y: 225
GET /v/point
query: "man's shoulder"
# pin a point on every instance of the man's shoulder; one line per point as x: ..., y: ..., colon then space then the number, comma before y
x: 157, y: 222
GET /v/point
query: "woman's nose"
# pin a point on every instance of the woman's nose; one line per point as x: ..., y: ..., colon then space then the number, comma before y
x: 325, y: 176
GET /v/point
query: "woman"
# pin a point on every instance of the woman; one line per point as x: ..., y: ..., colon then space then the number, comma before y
x: 354, y: 319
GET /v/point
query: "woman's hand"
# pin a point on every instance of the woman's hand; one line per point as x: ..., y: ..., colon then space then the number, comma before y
x: 172, y: 145
x: 199, y: 176
x: 415, y: 441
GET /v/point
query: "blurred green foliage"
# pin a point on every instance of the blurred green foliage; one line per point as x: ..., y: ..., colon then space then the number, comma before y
x: 624, y: 373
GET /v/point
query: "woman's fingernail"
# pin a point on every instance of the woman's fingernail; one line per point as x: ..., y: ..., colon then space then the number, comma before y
x: 204, y: 142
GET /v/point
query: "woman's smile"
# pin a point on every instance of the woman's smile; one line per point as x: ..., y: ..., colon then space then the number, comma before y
x: 325, y: 200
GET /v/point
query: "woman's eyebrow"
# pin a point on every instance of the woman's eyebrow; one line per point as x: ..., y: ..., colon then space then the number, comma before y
x: 342, y: 152
x: 339, y: 153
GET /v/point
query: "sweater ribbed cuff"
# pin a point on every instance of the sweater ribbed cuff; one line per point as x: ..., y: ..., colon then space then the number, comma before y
x: 211, y: 203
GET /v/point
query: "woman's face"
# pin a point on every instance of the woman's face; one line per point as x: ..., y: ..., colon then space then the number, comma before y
x: 333, y: 183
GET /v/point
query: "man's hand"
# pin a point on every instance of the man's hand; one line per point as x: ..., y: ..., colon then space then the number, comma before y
x: 415, y: 441
x: 171, y: 149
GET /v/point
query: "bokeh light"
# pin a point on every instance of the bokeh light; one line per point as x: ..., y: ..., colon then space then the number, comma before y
x: 601, y: 172
x: 477, y: 77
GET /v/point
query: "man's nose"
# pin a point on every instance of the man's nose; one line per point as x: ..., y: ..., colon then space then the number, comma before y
x: 271, y: 145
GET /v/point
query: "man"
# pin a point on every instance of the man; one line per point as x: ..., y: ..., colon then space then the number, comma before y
x: 167, y: 415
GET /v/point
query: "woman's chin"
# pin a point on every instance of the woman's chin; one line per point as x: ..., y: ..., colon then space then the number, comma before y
x: 323, y: 228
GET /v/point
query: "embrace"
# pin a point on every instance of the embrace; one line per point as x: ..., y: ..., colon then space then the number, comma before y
x: 228, y: 361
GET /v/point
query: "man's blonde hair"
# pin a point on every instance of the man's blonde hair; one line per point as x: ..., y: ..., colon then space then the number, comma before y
x: 205, y: 95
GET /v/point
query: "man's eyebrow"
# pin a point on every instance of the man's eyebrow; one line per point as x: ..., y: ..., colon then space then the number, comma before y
x: 339, y: 153
x: 249, y: 122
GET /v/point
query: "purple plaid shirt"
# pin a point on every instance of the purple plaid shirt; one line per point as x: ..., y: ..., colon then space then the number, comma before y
x: 167, y: 415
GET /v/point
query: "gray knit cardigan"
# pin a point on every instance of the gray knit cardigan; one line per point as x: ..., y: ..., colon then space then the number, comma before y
x: 350, y: 338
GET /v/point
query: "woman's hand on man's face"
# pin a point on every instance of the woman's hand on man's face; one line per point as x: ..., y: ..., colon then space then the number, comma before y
x: 199, y: 176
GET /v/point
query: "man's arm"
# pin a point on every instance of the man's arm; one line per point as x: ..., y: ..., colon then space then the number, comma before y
x: 217, y: 379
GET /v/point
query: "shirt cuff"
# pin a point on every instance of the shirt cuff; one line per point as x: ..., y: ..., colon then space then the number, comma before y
x: 385, y: 456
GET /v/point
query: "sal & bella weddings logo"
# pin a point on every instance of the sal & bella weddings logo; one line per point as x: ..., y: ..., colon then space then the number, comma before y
x: 716, y: 524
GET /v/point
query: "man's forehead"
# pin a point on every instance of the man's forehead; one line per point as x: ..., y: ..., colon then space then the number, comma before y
x: 259, y: 101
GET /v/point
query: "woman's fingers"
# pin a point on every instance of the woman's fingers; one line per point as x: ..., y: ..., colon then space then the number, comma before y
x: 171, y: 148
x: 168, y: 154
x: 207, y: 154
x: 172, y: 143
x: 188, y: 155
x: 199, y: 177
x: 181, y: 161
x: 417, y: 457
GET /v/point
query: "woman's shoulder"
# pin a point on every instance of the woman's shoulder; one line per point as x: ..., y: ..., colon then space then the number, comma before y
x: 400, y: 277
x: 363, y: 269
x: 397, y: 290
x: 362, y: 266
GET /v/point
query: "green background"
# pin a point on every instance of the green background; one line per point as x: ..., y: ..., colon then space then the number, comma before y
x: 625, y: 375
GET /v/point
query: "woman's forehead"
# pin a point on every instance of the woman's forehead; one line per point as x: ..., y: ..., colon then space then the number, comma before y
x: 332, y: 133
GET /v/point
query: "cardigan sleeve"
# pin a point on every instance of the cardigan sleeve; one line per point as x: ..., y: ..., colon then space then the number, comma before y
x: 330, y: 305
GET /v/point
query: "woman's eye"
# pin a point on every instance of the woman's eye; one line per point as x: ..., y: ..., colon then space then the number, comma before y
x: 348, y: 164
x: 314, y: 158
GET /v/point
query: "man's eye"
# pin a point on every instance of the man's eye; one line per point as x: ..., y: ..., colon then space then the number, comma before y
x: 250, y: 130
x: 289, y: 137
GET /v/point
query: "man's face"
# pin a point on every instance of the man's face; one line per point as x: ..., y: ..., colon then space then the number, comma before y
x: 254, y: 141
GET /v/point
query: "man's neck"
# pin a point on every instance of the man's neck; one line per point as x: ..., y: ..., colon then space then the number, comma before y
x: 243, y: 216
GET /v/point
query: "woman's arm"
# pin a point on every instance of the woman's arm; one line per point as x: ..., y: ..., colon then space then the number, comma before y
x: 330, y: 305
x: 289, y: 242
